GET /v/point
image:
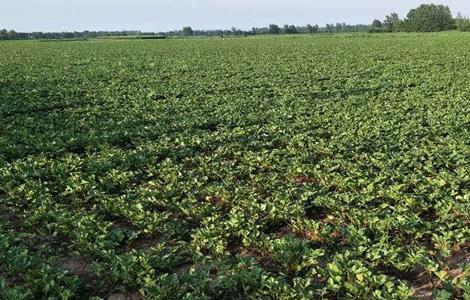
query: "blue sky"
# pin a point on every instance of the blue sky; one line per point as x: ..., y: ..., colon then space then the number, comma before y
x: 163, y: 15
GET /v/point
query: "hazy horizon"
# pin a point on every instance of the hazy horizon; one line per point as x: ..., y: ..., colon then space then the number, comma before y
x: 165, y: 15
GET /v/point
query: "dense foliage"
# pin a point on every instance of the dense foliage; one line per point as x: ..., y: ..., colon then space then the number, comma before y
x: 187, y: 31
x: 281, y: 167
x: 424, y: 18
x: 462, y: 23
x: 8, y: 34
x: 39, y: 35
x: 393, y: 23
x: 430, y: 18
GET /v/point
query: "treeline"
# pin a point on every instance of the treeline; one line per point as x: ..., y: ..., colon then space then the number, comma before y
x: 425, y: 18
x: 271, y: 29
x: 188, y: 31
x: 13, y: 35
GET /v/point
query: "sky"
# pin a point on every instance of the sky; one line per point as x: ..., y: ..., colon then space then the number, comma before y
x: 165, y: 15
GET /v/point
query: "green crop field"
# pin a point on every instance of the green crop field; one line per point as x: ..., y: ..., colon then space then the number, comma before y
x: 306, y: 167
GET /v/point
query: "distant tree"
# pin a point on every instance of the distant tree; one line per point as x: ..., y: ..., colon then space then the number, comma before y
x: 12, y: 35
x: 260, y: 30
x: 289, y: 29
x: 429, y: 18
x: 330, y: 28
x: 376, y: 24
x: 37, y: 35
x: 188, y: 31
x: 340, y: 27
x: 312, y: 29
x: 235, y: 31
x: 392, y: 22
x: 285, y: 29
x: 462, y: 23
x: 274, y: 29
x: 3, y: 34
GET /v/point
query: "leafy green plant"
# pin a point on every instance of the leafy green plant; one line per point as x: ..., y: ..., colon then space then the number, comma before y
x: 307, y: 168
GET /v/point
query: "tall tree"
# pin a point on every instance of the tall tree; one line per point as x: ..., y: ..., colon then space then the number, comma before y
x: 188, y: 31
x: 289, y: 29
x: 3, y: 34
x: 274, y: 29
x: 312, y: 29
x: 392, y: 22
x: 429, y: 18
x: 12, y: 35
x: 376, y: 24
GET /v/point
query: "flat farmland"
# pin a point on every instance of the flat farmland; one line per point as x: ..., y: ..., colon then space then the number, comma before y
x: 296, y: 167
